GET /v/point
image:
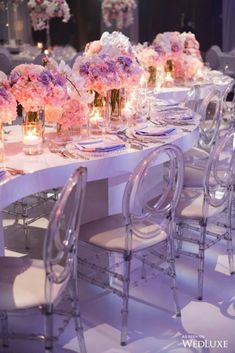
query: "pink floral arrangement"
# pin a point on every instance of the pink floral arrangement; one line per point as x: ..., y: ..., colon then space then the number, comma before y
x: 119, y: 12
x: 182, y: 49
x: 109, y: 63
x: 35, y: 86
x: 186, y: 67
x: 74, y: 110
x: 7, y: 101
x: 147, y: 56
x: 42, y: 10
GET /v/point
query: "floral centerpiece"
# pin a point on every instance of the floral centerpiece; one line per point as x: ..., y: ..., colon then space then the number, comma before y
x: 119, y: 12
x: 109, y: 65
x: 180, y: 52
x: 35, y: 86
x: 7, y: 108
x: 151, y: 61
x: 73, y: 112
x: 7, y: 101
x: 42, y: 10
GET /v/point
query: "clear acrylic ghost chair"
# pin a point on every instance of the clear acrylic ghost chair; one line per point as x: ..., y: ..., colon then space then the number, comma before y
x: 200, y: 209
x: 195, y: 159
x: 228, y: 109
x: 192, y: 98
x: 28, y: 284
x: 135, y: 235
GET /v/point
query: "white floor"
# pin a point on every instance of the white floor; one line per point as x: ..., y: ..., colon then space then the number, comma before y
x: 153, y: 328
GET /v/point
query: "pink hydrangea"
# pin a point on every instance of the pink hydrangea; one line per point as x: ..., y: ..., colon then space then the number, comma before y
x: 35, y: 86
x: 7, y: 101
x: 74, y: 113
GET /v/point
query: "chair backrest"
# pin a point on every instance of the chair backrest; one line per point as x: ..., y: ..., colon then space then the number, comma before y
x: 192, y: 98
x: 60, y: 244
x: 220, y: 171
x: 5, y: 62
x: 150, y: 195
x: 210, y: 111
x: 213, y: 56
x: 229, y: 102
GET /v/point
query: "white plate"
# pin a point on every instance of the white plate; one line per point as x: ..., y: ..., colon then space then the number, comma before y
x: 149, y: 138
x: 77, y: 151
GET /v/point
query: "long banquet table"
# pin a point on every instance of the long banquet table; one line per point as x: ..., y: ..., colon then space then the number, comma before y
x: 51, y: 170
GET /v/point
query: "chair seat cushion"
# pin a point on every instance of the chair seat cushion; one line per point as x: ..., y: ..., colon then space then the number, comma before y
x: 22, y: 283
x: 110, y: 233
x: 190, y: 205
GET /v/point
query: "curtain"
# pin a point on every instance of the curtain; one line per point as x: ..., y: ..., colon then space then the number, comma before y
x: 228, y: 25
x: 131, y: 32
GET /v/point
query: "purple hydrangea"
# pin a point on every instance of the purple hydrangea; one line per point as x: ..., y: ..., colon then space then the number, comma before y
x: 84, y: 69
x: 125, y: 61
x: 14, y: 77
x: 45, y: 77
x: 59, y: 80
x: 159, y: 49
x: 3, y: 93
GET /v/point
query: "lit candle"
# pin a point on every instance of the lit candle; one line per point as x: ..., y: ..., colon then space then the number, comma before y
x: 40, y: 45
x: 169, y: 81
x: 32, y: 139
x: 46, y: 52
x: 95, y: 119
x: 97, y: 122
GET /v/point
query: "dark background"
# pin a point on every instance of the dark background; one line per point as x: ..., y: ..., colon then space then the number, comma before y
x: 203, y: 17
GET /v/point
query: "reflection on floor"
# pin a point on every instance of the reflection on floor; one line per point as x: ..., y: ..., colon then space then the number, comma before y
x: 153, y: 328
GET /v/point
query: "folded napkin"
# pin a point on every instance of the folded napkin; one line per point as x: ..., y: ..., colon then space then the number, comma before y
x: 151, y: 131
x: 101, y: 146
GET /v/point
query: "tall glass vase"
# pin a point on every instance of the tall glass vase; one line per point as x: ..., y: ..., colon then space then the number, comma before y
x: 115, y: 102
x: 152, y: 71
x: 96, y: 123
x: 48, y: 35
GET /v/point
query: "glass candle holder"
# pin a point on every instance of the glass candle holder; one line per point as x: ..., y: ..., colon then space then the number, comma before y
x: 32, y: 137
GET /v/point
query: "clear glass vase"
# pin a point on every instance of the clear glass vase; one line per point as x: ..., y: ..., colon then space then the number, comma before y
x: 97, y: 117
x: 115, y: 102
x: 152, y: 71
x: 33, y: 124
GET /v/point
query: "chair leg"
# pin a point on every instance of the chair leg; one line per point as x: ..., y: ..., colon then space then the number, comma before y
x: 201, y: 256
x: 48, y: 327
x: 4, y: 326
x: 143, y: 267
x: 179, y: 241
x: 229, y: 236
x: 172, y: 272
x: 126, y: 287
x: 25, y: 226
x: 77, y: 317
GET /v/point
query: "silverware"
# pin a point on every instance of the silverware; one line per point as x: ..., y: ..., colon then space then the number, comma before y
x: 14, y: 171
x: 59, y: 151
x: 124, y: 137
x: 158, y: 123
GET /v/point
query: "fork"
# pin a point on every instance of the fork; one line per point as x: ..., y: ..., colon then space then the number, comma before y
x: 13, y: 171
x: 124, y: 137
